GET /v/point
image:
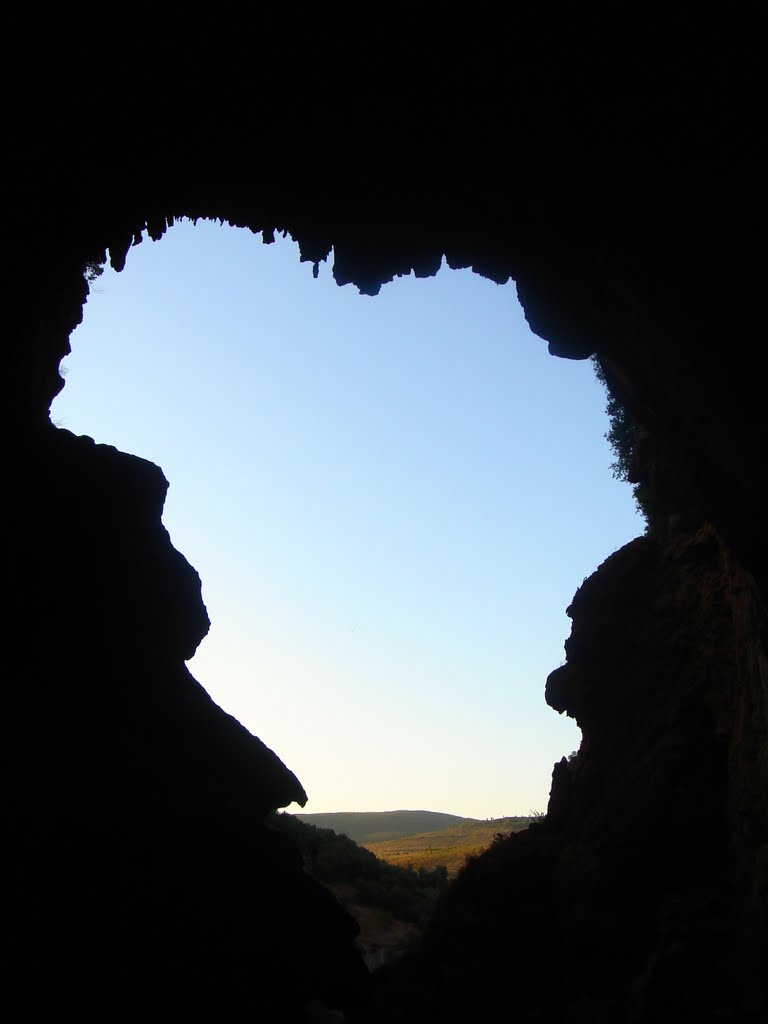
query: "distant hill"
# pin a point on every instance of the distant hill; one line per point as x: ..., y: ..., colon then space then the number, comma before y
x: 448, y: 847
x: 379, y: 826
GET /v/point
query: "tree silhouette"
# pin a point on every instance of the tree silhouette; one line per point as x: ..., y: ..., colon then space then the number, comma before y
x: 622, y: 437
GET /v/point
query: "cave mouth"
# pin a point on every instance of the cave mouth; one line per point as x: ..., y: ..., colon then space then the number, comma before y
x: 390, y: 502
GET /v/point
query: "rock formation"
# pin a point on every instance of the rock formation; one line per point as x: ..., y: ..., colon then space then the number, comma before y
x: 622, y: 200
x: 634, y: 899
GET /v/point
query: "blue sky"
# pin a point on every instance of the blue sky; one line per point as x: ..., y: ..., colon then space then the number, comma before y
x: 390, y: 501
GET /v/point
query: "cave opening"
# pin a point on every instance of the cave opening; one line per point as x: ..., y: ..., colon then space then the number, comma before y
x: 622, y: 196
x: 386, y: 551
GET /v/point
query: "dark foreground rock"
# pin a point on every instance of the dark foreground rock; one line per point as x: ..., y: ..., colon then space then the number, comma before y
x: 624, y: 198
x: 640, y: 896
x: 145, y: 884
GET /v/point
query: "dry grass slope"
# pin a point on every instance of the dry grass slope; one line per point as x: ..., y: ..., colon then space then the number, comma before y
x: 449, y: 847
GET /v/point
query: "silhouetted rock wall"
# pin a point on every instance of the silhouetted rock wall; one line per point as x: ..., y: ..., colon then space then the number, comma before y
x: 622, y: 200
x: 640, y: 897
x: 145, y: 884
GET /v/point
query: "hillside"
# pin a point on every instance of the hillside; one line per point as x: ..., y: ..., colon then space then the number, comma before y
x: 391, y: 904
x: 448, y: 847
x: 367, y: 827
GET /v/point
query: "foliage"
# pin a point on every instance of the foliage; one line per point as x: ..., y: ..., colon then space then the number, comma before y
x: 93, y: 270
x: 622, y: 437
x: 410, y: 894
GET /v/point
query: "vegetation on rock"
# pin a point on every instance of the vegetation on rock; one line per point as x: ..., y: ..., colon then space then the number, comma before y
x: 622, y: 437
